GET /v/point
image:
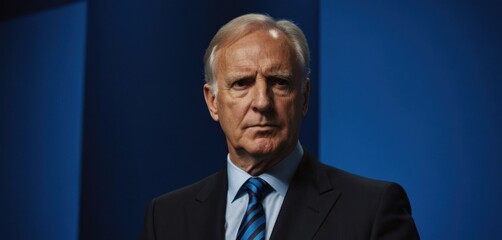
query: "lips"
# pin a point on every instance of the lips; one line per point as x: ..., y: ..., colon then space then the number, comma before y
x: 263, y: 126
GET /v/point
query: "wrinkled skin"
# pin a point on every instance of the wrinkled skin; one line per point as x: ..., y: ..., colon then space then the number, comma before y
x: 259, y: 101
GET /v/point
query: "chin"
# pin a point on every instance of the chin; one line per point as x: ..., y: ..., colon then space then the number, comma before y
x: 263, y: 147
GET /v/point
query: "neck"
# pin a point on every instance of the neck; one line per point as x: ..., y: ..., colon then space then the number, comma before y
x: 258, y: 163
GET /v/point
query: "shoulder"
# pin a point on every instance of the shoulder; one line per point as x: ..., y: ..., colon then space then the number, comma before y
x: 347, y: 181
x: 169, y: 208
x: 357, y: 191
x: 358, y: 187
x: 342, y: 180
x: 187, y: 193
x: 168, y: 216
x: 385, y: 204
x: 382, y: 206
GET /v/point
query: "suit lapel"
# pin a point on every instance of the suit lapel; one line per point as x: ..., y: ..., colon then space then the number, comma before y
x: 206, y: 214
x: 309, y: 199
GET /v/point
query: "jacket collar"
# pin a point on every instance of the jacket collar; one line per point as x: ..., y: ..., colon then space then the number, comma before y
x: 206, y: 215
x: 309, y: 200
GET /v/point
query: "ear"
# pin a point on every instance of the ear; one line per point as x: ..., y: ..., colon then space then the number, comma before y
x: 306, y: 94
x: 211, y: 102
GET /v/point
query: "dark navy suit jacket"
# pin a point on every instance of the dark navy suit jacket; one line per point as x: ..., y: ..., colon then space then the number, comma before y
x: 322, y: 202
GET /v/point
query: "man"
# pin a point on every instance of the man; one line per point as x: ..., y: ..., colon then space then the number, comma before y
x: 257, y: 88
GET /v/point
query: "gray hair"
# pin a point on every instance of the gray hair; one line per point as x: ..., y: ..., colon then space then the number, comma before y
x: 249, y: 23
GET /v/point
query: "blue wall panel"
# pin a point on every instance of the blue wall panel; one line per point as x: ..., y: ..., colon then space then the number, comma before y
x: 412, y: 92
x: 41, y: 90
x: 147, y: 129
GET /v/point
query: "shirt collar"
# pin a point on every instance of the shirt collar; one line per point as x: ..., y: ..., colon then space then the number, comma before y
x: 278, y: 177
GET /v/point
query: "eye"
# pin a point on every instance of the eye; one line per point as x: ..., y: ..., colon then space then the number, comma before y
x: 280, y: 82
x: 241, y: 84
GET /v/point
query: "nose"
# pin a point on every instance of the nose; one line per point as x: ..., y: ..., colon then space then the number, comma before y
x: 262, y: 97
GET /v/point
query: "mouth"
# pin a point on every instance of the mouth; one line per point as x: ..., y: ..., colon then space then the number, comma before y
x: 263, y: 126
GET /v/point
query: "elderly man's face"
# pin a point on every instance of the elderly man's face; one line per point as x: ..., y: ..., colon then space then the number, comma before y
x: 259, y: 101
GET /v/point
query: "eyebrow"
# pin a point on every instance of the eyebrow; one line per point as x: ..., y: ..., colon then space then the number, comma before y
x: 282, y: 74
x: 275, y: 73
x: 238, y: 75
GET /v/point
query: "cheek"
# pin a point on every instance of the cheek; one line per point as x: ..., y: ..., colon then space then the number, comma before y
x: 290, y: 112
x: 231, y: 112
x: 289, y: 108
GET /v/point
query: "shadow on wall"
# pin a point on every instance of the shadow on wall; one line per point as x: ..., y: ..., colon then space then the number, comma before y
x: 41, y: 99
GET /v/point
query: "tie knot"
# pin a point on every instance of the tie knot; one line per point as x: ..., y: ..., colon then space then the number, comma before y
x: 257, y: 187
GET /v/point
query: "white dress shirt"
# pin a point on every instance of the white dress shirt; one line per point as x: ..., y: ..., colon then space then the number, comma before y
x: 278, y: 177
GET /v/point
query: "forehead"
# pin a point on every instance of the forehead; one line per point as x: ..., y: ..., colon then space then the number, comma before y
x: 262, y: 47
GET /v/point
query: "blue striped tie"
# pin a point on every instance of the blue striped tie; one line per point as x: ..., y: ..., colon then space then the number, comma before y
x: 253, y: 224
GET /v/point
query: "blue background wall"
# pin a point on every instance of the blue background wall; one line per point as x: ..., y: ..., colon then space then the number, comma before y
x: 147, y: 130
x: 41, y: 99
x: 101, y: 107
x: 411, y: 91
